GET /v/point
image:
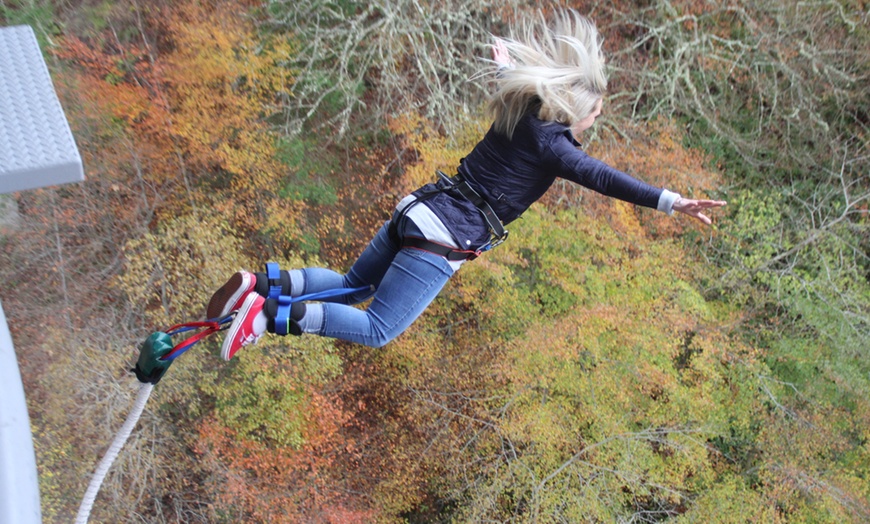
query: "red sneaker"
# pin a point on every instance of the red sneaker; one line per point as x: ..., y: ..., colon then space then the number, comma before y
x: 230, y: 296
x: 248, y: 326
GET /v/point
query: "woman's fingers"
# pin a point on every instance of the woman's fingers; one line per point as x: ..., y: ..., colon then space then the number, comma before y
x: 693, y: 208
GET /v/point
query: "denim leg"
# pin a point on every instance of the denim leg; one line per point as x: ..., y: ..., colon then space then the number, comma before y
x: 412, y: 281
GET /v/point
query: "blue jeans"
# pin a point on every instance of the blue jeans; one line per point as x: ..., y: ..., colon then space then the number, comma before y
x: 406, y: 281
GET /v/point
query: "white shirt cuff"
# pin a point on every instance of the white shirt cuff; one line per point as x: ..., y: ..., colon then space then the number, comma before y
x: 666, y: 201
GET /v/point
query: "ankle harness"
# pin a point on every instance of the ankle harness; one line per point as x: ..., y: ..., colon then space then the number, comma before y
x: 280, y: 308
x: 284, y: 310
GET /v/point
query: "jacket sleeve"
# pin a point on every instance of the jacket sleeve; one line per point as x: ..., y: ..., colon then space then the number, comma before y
x: 572, y: 163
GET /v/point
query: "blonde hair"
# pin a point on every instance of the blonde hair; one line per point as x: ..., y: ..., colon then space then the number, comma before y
x: 559, y: 66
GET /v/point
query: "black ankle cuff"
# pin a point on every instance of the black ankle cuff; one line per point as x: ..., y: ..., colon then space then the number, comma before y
x: 297, y: 311
x: 270, y: 308
x: 286, y: 288
x: 262, y: 286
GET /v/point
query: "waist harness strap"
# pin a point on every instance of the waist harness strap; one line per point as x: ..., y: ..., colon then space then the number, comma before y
x: 499, y: 233
x: 448, y: 252
x: 468, y: 192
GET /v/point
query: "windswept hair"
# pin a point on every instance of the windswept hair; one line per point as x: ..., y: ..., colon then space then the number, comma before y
x: 558, y: 66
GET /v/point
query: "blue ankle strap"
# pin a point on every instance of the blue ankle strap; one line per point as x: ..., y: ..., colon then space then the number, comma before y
x: 273, y: 273
x: 282, y: 316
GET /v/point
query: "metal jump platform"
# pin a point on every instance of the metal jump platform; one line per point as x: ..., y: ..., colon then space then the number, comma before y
x: 37, y: 149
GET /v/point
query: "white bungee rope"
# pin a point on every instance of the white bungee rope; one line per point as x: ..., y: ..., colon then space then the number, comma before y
x: 112, y: 453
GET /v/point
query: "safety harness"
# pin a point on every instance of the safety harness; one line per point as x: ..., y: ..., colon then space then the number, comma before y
x: 458, y: 185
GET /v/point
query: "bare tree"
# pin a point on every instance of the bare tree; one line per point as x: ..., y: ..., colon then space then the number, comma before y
x: 368, y: 60
x: 778, y: 91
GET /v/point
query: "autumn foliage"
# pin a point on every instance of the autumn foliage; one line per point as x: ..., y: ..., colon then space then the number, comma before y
x: 607, y: 364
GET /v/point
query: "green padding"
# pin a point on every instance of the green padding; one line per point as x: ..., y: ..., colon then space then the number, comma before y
x: 150, y: 368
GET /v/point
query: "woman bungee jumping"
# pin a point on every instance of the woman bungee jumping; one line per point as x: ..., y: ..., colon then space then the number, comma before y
x: 549, y: 89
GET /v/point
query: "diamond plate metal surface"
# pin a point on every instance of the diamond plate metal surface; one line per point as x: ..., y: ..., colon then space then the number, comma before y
x: 37, y: 148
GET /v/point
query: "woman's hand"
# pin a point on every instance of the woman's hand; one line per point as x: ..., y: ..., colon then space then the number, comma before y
x: 694, y: 208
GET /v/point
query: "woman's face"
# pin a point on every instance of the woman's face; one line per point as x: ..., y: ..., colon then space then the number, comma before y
x: 586, y: 123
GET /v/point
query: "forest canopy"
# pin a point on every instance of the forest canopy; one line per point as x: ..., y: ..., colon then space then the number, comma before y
x: 606, y: 364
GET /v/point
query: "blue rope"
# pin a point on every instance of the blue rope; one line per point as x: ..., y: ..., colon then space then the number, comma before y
x: 329, y: 293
